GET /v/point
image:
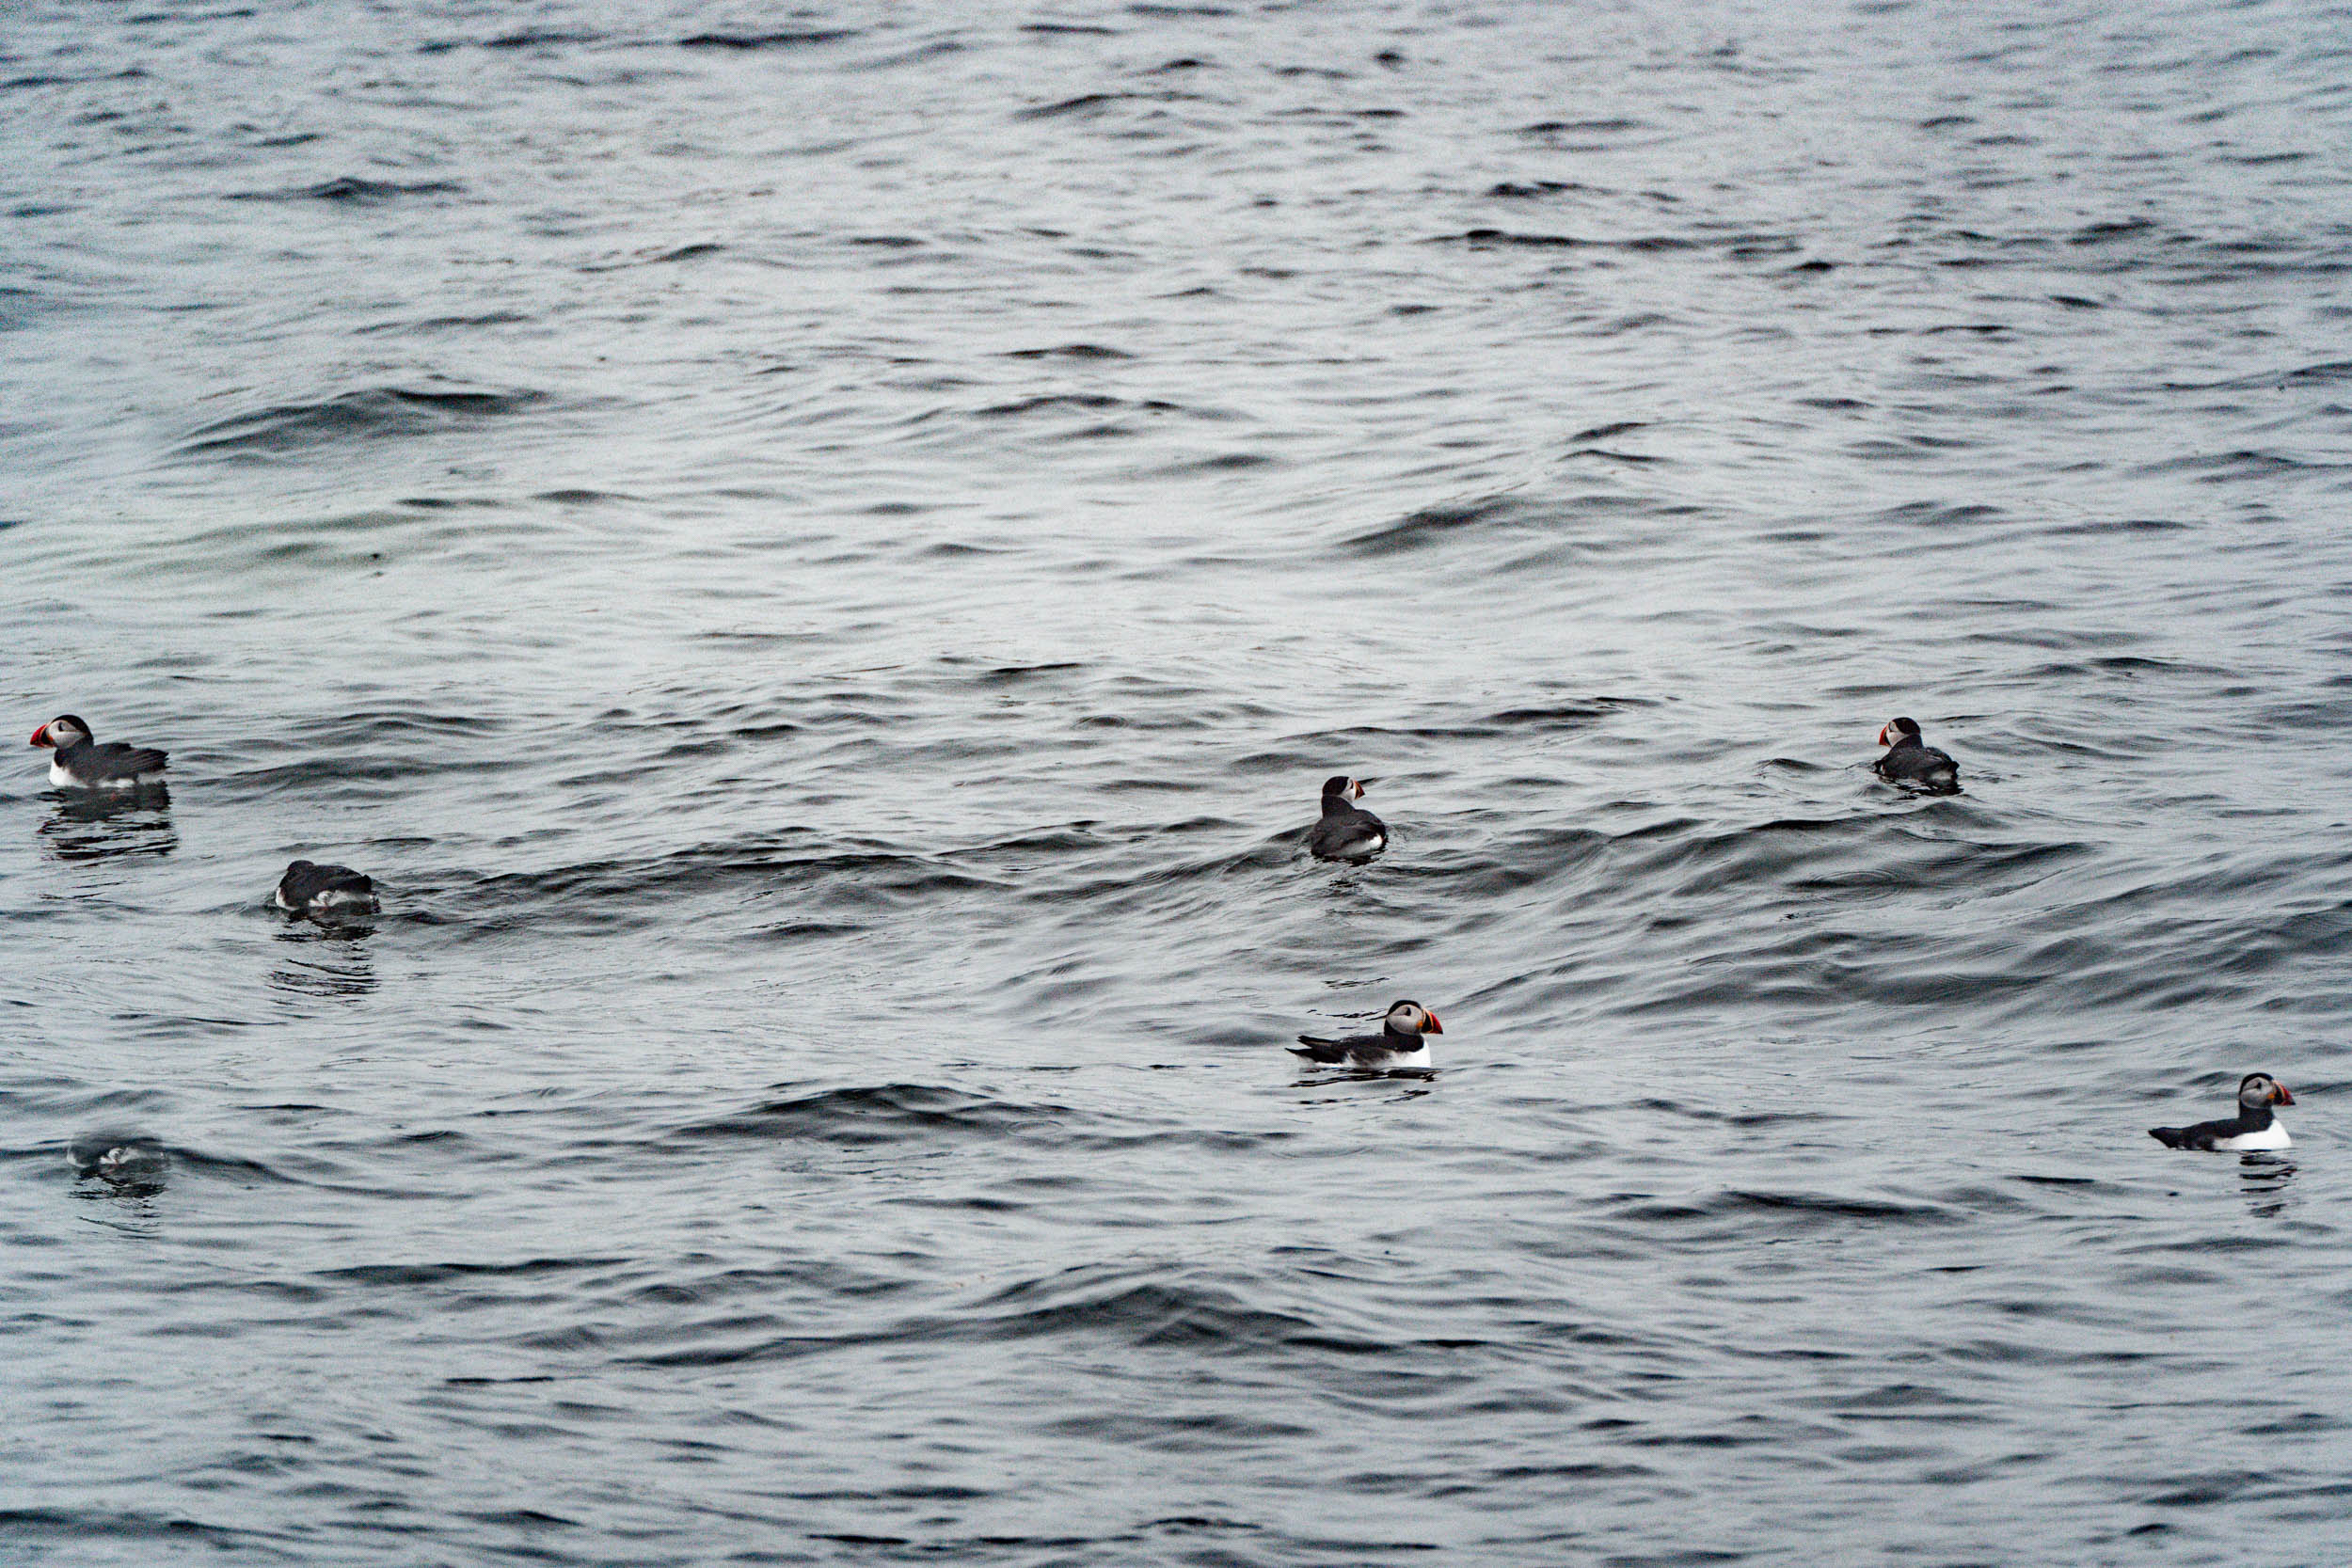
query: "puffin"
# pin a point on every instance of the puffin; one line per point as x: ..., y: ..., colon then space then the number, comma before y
x: 1347, y: 831
x: 1911, y: 760
x: 81, y: 763
x: 2253, y: 1126
x: 323, y: 892
x: 1399, y: 1043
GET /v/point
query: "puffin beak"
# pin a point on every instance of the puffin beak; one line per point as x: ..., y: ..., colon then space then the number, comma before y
x: 1882, y: 735
x: 1434, y: 1027
x: 2281, y: 1096
x: 40, y: 735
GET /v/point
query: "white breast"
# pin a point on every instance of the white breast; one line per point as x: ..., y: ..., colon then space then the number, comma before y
x: 63, y: 780
x: 2272, y: 1136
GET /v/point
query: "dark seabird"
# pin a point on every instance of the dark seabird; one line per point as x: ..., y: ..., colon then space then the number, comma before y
x: 81, y: 763
x: 1347, y: 831
x: 325, y: 891
x: 2253, y: 1126
x: 1399, y: 1043
x: 1911, y: 760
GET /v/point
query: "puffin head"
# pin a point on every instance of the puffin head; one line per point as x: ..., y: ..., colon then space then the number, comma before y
x: 2258, y: 1089
x: 64, y: 730
x: 1338, y: 786
x: 1411, y: 1018
x: 1899, y: 732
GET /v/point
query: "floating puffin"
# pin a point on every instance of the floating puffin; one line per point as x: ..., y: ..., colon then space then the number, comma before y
x: 1347, y: 831
x: 1912, y: 761
x: 2253, y: 1126
x: 81, y: 763
x: 325, y: 891
x: 1399, y: 1043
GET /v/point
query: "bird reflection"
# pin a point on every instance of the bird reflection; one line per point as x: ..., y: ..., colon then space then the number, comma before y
x: 2263, y: 1179
x: 94, y: 827
x: 326, y: 960
x: 1420, y: 1080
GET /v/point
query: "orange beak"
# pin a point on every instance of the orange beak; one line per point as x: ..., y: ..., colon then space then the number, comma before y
x: 1434, y: 1027
x: 2283, y: 1096
x: 40, y: 736
x: 1882, y: 735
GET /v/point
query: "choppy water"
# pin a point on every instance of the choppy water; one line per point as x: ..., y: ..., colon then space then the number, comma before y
x: 819, y: 557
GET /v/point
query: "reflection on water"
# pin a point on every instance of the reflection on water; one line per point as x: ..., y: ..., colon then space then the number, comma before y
x: 1423, y: 1079
x: 88, y: 827
x: 325, y: 961
x: 2264, y: 1180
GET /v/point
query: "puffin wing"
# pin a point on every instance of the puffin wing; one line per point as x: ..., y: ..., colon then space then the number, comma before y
x: 1321, y: 1050
x: 116, y: 760
x: 1344, y: 834
x: 2199, y: 1136
x: 1919, y: 764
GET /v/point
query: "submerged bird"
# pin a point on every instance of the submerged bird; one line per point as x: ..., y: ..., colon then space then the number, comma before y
x: 1347, y: 831
x: 1399, y: 1043
x: 1912, y: 760
x: 325, y: 891
x: 2253, y: 1126
x: 130, y: 1165
x: 81, y: 763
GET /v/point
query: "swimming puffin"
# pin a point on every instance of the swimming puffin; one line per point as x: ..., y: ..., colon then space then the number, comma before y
x: 1399, y: 1043
x: 325, y: 891
x: 83, y: 764
x: 1911, y: 760
x: 1347, y: 831
x: 2253, y: 1126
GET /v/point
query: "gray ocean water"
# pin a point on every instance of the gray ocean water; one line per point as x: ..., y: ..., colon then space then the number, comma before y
x: 821, y: 557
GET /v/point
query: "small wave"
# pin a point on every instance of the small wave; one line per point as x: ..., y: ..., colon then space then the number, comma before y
x: 367, y: 725
x: 1053, y: 401
x: 2106, y: 234
x: 1548, y: 718
x: 1528, y: 190
x: 1431, y: 525
x: 444, y: 324
x: 1070, y: 351
x: 443, y: 1273
x: 790, y: 39
x: 1140, y: 1310
x: 1582, y: 127
x: 1487, y: 239
x: 1086, y: 103
x: 75, y: 1529
x: 374, y: 413
x: 826, y: 885
x: 878, y: 1114
x: 351, y: 190
x: 1133, y: 1305
x: 540, y: 37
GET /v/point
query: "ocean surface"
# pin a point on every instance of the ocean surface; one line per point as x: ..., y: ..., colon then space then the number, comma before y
x: 821, y: 557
